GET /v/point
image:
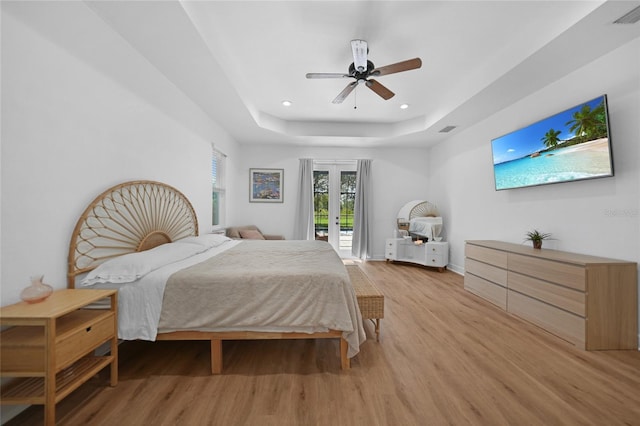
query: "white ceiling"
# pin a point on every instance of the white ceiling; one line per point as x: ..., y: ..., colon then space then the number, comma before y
x: 238, y: 60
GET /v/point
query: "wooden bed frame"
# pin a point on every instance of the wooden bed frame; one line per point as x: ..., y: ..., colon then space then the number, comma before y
x: 140, y: 215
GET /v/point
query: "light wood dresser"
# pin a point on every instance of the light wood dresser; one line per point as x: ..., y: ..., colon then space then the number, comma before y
x: 589, y: 301
x: 49, y: 346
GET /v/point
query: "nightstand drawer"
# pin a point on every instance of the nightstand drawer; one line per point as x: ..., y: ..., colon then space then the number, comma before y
x: 23, y: 348
x: 97, y: 329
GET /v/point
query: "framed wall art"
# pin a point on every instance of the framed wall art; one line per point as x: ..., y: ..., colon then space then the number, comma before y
x: 265, y: 185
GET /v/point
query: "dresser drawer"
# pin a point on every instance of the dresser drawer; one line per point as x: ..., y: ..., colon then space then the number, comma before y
x: 391, y: 249
x: 437, y: 248
x: 561, y: 323
x: 486, y: 289
x: 412, y: 251
x: 97, y: 329
x: 435, y: 260
x: 486, y: 271
x: 556, y: 272
x: 486, y: 255
x: 562, y: 297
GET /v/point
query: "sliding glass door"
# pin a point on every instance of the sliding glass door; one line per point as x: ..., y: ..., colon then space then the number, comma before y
x: 334, y: 187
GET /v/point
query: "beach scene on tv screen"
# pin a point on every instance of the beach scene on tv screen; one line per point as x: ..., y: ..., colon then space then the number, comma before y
x: 571, y: 145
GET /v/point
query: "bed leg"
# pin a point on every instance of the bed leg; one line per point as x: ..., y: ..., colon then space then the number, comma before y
x: 377, y: 329
x: 345, y: 362
x: 216, y: 356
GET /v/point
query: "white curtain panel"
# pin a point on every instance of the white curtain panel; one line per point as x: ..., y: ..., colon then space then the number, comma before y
x: 361, y: 243
x: 304, y: 228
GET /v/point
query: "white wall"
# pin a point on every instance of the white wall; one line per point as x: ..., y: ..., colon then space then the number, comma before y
x: 598, y: 217
x: 398, y: 176
x: 82, y: 111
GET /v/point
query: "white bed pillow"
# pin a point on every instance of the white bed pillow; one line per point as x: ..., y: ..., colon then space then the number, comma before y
x: 131, y: 267
x: 206, y: 240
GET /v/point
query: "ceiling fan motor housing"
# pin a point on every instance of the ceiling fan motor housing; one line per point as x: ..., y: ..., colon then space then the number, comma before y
x: 361, y: 75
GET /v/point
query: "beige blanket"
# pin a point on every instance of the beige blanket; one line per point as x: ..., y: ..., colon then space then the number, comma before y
x: 269, y: 286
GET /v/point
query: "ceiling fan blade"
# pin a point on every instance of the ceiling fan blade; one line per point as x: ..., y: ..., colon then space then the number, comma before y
x: 381, y: 90
x: 407, y: 65
x: 359, y: 48
x: 345, y: 92
x: 327, y: 75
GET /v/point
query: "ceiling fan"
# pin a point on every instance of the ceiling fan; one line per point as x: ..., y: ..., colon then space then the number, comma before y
x: 361, y: 69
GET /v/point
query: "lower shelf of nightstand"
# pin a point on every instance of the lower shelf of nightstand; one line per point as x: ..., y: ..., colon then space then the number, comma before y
x: 31, y: 390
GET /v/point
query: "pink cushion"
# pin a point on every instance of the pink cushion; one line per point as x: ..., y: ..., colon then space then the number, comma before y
x: 251, y: 234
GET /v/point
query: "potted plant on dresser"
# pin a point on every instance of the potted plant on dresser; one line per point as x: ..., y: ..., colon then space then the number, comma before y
x: 536, y: 237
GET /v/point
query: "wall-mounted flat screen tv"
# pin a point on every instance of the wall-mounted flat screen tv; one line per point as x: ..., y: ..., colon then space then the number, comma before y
x: 568, y: 146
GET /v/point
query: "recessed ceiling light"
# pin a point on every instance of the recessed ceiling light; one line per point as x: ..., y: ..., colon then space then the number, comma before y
x: 404, y: 106
x: 286, y: 103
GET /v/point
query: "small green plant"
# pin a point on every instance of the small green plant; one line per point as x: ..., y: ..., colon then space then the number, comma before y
x: 536, y: 237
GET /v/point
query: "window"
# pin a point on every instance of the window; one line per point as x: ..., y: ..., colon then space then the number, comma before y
x: 217, y: 187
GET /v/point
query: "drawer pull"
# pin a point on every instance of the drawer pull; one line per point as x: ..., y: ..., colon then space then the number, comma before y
x: 88, y: 329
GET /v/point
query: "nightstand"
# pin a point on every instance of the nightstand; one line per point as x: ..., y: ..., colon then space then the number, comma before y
x: 49, y: 346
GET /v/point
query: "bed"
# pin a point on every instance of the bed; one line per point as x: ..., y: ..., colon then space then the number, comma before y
x: 141, y: 237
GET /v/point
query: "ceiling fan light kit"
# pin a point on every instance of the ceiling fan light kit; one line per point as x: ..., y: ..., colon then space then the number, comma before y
x: 361, y: 69
x: 359, y: 48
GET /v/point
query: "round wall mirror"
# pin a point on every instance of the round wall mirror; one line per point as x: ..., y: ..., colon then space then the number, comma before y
x: 419, y: 218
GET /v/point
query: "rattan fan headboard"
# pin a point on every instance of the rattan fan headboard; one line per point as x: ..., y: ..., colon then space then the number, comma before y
x: 130, y: 217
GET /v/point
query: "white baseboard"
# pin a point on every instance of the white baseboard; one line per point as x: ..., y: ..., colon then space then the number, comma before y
x: 455, y: 268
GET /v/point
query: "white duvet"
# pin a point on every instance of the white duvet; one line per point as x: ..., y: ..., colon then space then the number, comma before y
x: 287, y: 286
x: 140, y: 301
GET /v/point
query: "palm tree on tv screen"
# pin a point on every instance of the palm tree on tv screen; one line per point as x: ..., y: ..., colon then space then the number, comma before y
x: 589, y: 124
x: 550, y: 139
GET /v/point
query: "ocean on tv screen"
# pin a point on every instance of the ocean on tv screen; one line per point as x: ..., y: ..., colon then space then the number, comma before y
x: 584, y: 161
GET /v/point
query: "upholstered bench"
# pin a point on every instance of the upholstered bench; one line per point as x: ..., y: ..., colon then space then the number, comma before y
x: 370, y: 299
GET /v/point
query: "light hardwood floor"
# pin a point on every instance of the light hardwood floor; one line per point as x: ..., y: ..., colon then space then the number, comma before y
x: 445, y: 357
